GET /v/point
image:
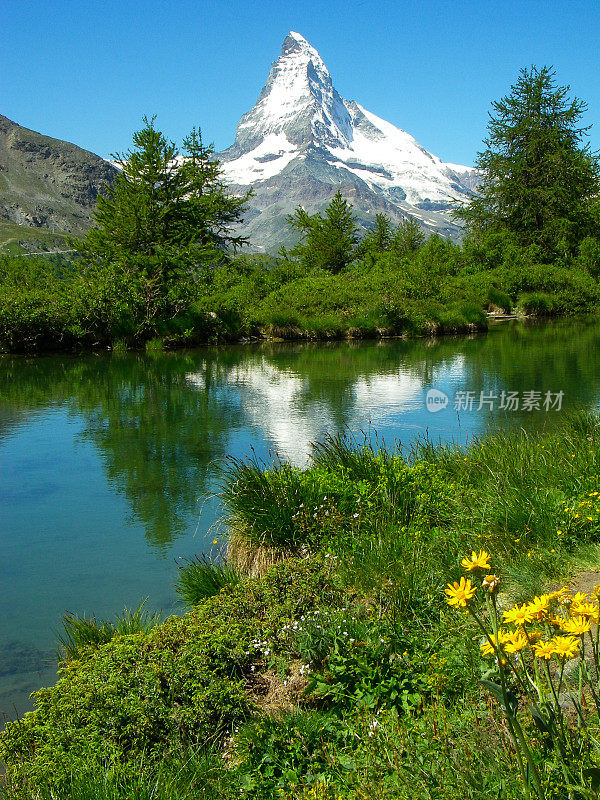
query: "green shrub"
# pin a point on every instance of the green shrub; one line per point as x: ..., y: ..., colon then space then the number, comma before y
x: 474, y: 314
x: 280, y: 753
x: 147, y: 695
x: 589, y: 256
x: 499, y: 299
x: 536, y: 304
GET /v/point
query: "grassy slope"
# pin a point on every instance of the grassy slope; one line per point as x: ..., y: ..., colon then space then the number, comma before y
x: 16, y: 240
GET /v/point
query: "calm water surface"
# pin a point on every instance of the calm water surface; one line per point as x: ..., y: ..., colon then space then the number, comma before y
x: 109, y: 464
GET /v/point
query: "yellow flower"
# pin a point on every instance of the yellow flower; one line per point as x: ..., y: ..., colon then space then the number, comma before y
x: 215, y: 541
x: 487, y: 649
x: 597, y: 589
x: 579, y: 597
x: 459, y: 593
x: 556, y: 622
x: 539, y: 606
x: 560, y: 533
x: 516, y: 642
x: 544, y: 649
x: 518, y: 615
x: 577, y: 626
x: 490, y: 582
x: 588, y: 610
x: 479, y: 560
x: 565, y: 646
x: 561, y: 594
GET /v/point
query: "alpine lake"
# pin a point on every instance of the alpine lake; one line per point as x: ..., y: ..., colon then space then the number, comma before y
x: 110, y: 465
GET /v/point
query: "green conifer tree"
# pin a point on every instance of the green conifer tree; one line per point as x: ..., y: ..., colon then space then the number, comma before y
x: 539, y: 179
x: 329, y: 239
x: 164, y: 217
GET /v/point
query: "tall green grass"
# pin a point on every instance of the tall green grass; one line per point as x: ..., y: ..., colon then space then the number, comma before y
x: 200, y: 578
x: 80, y: 632
x: 527, y: 498
x: 189, y: 775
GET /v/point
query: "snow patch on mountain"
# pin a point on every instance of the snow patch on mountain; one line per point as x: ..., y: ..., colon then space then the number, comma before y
x: 267, y: 159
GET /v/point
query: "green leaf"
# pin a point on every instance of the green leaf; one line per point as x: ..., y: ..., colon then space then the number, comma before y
x: 512, y: 701
x: 543, y: 725
x: 592, y: 774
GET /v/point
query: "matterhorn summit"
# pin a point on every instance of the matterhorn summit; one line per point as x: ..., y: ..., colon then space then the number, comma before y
x: 302, y: 142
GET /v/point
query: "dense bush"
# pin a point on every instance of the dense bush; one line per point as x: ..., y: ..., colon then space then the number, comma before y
x: 146, y: 695
x: 431, y: 287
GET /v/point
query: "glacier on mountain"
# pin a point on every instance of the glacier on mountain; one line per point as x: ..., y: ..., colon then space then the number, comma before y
x: 302, y: 142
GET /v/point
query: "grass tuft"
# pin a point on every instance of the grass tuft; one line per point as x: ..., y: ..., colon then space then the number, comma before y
x: 199, y: 578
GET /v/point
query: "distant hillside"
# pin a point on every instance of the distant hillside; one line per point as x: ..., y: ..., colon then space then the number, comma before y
x: 46, y: 185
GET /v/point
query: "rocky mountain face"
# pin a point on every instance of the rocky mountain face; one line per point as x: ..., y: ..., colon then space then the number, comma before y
x: 302, y: 142
x: 47, y: 184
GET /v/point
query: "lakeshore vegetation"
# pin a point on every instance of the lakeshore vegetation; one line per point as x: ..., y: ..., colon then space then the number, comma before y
x: 329, y: 655
x: 163, y: 264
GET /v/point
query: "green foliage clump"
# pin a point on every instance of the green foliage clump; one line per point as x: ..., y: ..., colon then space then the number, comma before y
x: 148, y: 694
x: 499, y: 299
x: 287, y: 508
x: 538, y: 304
x: 81, y: 632
x: 200, y: 578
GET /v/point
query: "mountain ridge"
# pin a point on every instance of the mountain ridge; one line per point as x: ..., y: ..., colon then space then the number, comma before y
x: 46, y: 183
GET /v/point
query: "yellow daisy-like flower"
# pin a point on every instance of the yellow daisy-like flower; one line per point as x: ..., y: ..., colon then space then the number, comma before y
x: 538, y: 607
x: 565, y: 646
x: 561, y: 594
x: 459, y: 593
x: 518, y: 640
x: 597, y: 589
x: 544, y: 649
x: 487, y: 649
x: 518, y: 615
x: 479, y: 560
x: 579, y: 597
x: 555, y: 621
x: 588, y: 610
x: 577, y: 626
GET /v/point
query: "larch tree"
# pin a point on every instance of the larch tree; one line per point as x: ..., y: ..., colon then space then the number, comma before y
x: 540, y: 180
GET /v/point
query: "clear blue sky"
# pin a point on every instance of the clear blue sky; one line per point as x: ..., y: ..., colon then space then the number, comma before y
x: 87, y: 71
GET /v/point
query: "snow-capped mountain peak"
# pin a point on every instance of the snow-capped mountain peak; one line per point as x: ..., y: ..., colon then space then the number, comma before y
x: 298, y: 101
x: 301, y: 131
